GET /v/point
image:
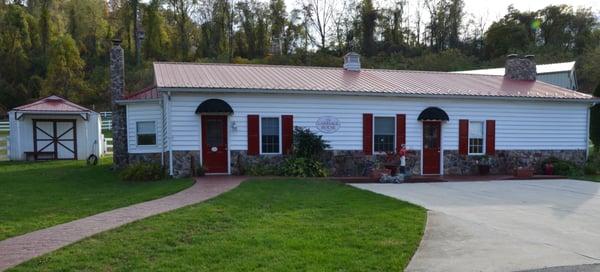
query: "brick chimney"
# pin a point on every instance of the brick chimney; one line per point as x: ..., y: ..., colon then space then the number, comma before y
x: 117, y: 86
x: 520, y: 68
x: 352, y: 62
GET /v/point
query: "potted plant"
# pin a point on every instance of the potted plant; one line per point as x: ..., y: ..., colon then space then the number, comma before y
x: 483, y: 165
x: 378, y: 171
x: 392, y: 161
x: 523, y: 172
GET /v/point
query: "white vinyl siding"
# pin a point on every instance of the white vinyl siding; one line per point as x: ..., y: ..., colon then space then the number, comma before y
x: 143, y: 112
x: 520, y: 125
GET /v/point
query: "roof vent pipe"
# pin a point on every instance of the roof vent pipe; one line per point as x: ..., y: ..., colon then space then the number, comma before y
x: 520, y: 68
x: 352, y: 62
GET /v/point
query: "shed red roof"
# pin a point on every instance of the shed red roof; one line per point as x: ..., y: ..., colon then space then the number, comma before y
x: 53, y: 104
x: 299, y: 78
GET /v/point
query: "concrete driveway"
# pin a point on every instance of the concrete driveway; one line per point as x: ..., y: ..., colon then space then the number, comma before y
x: 504, y: 225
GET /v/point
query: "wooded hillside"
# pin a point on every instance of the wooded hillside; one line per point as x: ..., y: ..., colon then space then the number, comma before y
x: 61, y: 46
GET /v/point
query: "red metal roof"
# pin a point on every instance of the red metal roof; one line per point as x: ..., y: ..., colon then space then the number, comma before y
x: 299, y: 78
x: 150, y: 92
x: 53, y: 104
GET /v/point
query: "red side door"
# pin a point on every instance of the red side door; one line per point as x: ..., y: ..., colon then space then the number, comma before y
x: 432, y: 132
x: 214, y: 143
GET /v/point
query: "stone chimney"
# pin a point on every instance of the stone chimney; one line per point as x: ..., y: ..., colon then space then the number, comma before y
x: 117, y: 86
x: 352, y: 62
x: 520, y: 68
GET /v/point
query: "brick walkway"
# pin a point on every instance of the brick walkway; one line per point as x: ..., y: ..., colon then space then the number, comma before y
x: 16, y: 250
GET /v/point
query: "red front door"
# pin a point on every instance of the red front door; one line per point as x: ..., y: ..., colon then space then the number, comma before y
x: 214, y: 143
x: 431, y: 147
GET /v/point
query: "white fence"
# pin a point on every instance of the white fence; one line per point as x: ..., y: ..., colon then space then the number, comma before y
x: 4, y: 148
x: 108, y: 145
x: 4, y: 126
x: 107, y: 124
x: 106, y: 117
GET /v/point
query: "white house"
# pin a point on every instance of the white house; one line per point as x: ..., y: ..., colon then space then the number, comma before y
x: 560, y: 74
x: 54, y: 129
x: 229, y: 116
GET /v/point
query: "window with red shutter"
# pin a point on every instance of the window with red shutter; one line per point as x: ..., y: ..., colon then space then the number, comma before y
x: 287, y: 129
x: 368, y: 133
x: 490, y: 137
x: 463, y: 137
x: 253, y: 135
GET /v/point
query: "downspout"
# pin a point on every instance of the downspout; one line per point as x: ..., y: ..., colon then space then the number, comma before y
x: 169, y: 131
x: 162, y: 131
x: 587, y: 131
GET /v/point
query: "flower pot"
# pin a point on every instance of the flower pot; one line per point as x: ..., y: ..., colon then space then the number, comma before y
x: 483, y: 169
x: 376, y: 174
x: 523, y: 173
x: 393, y: 168
x: 549, y: 169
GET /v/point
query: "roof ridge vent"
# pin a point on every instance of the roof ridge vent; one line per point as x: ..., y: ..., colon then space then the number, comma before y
x: 352, y: 62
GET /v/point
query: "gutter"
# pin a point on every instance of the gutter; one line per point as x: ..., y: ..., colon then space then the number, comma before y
x: 125, y: 102
x: 372, y: 94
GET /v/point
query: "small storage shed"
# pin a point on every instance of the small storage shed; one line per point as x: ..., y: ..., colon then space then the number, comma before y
x: 54, y: 128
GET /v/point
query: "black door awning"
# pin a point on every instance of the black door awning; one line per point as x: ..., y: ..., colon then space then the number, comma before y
x: 214, y: 106
x: 433, y: 114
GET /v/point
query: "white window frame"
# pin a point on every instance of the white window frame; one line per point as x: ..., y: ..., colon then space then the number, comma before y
x: 155, y: 133
x: 373, y: 133
x: 260, y: 117
x: 482, y: 136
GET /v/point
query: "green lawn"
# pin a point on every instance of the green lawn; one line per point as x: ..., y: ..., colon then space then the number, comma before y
x: 39, y: 195
x: 264, y: 225
x: 594, y: 178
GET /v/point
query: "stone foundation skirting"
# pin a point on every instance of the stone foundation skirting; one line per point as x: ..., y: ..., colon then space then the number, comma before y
x: 339, y: 162
x: 144, y: 157
x: 354, y: 163
x: 505, y: 161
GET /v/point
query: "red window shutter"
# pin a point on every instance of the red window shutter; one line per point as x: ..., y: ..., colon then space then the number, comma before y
x: 400, y: 131
x: 368, y: 133
x: 287, y: 129
x: 253, y: 135
x: 490, y: 137
x: 463, y: 137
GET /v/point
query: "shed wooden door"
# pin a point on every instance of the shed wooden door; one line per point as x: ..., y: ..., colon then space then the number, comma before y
x: 214, y: 143
x: 432, y: 132
x: 55, y: 139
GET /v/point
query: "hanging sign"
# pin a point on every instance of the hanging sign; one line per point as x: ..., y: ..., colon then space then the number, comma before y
x: 328, y: 124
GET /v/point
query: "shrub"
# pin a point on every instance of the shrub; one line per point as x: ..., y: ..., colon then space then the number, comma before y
x: 562, y: 167
x: 590, y: 169
x: 303, y: 167
x: 143, y: 171
x: 200, y: 171
x: 265, y: 169
x: 308, y: 144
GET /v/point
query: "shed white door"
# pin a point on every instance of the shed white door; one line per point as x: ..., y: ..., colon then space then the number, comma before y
x: 55, y: 139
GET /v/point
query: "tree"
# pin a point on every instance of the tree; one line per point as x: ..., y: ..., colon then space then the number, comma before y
x: 156, y: 40
x: 277, y: 17
x: 320, y: 15
x: 181, y: 10
x: 368, y: 15
x: 65, y: 70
